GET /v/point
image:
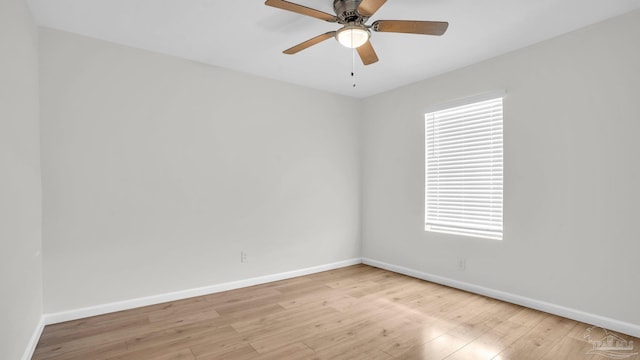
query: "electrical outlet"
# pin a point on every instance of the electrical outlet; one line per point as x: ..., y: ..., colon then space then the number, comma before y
x: 243, y: 257
x: 462, y: 264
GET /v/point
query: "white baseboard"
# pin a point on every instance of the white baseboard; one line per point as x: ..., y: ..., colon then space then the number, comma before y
x: 592, y: 319
x: 33, y: 342
x: 59, y: 317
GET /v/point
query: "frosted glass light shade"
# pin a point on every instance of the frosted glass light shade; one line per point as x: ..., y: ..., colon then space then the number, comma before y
x: 353, y: 36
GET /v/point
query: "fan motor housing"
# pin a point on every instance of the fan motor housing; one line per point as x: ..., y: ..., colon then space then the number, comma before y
x: 347, y: 10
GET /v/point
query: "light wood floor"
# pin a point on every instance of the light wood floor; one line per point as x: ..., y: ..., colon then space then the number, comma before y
x: 358, y: 312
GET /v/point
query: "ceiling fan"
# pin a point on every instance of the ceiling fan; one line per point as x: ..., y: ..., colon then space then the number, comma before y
x: 353, y: 15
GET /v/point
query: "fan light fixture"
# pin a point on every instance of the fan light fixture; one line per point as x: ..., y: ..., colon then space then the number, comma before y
x: 353, y: 36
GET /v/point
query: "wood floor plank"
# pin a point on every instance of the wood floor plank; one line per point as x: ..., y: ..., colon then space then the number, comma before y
x: 438, y: 348
x: 96, y: 352
x: 357, y: 312
x: 498, y: 338
x: 181, y: 336
x: 540, y: 340
x: 244, y: 352
x: 69, y: 331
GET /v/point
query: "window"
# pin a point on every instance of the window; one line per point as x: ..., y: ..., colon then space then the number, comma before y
x: 463, y: 187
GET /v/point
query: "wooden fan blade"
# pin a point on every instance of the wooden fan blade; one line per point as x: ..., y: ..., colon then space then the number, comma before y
x: 369, y: 7
x: 411, y: 27
x: 310, y: 42
x: 300, y: 9
x: 367, y: 54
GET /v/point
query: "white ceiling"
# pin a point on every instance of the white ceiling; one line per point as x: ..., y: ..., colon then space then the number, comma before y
x: 247, y: 36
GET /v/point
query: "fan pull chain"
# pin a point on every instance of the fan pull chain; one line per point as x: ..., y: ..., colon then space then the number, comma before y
x: 353, y: 67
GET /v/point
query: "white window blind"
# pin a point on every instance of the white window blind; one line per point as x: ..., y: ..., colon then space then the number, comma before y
x: 463, y: 192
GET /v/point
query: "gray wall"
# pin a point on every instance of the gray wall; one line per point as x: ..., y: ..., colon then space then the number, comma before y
x: 572, y: 169
x: 158, y: 171
x: 20, y: 187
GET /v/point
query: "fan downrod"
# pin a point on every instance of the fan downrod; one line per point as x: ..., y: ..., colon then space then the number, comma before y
x: 347, y: 11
